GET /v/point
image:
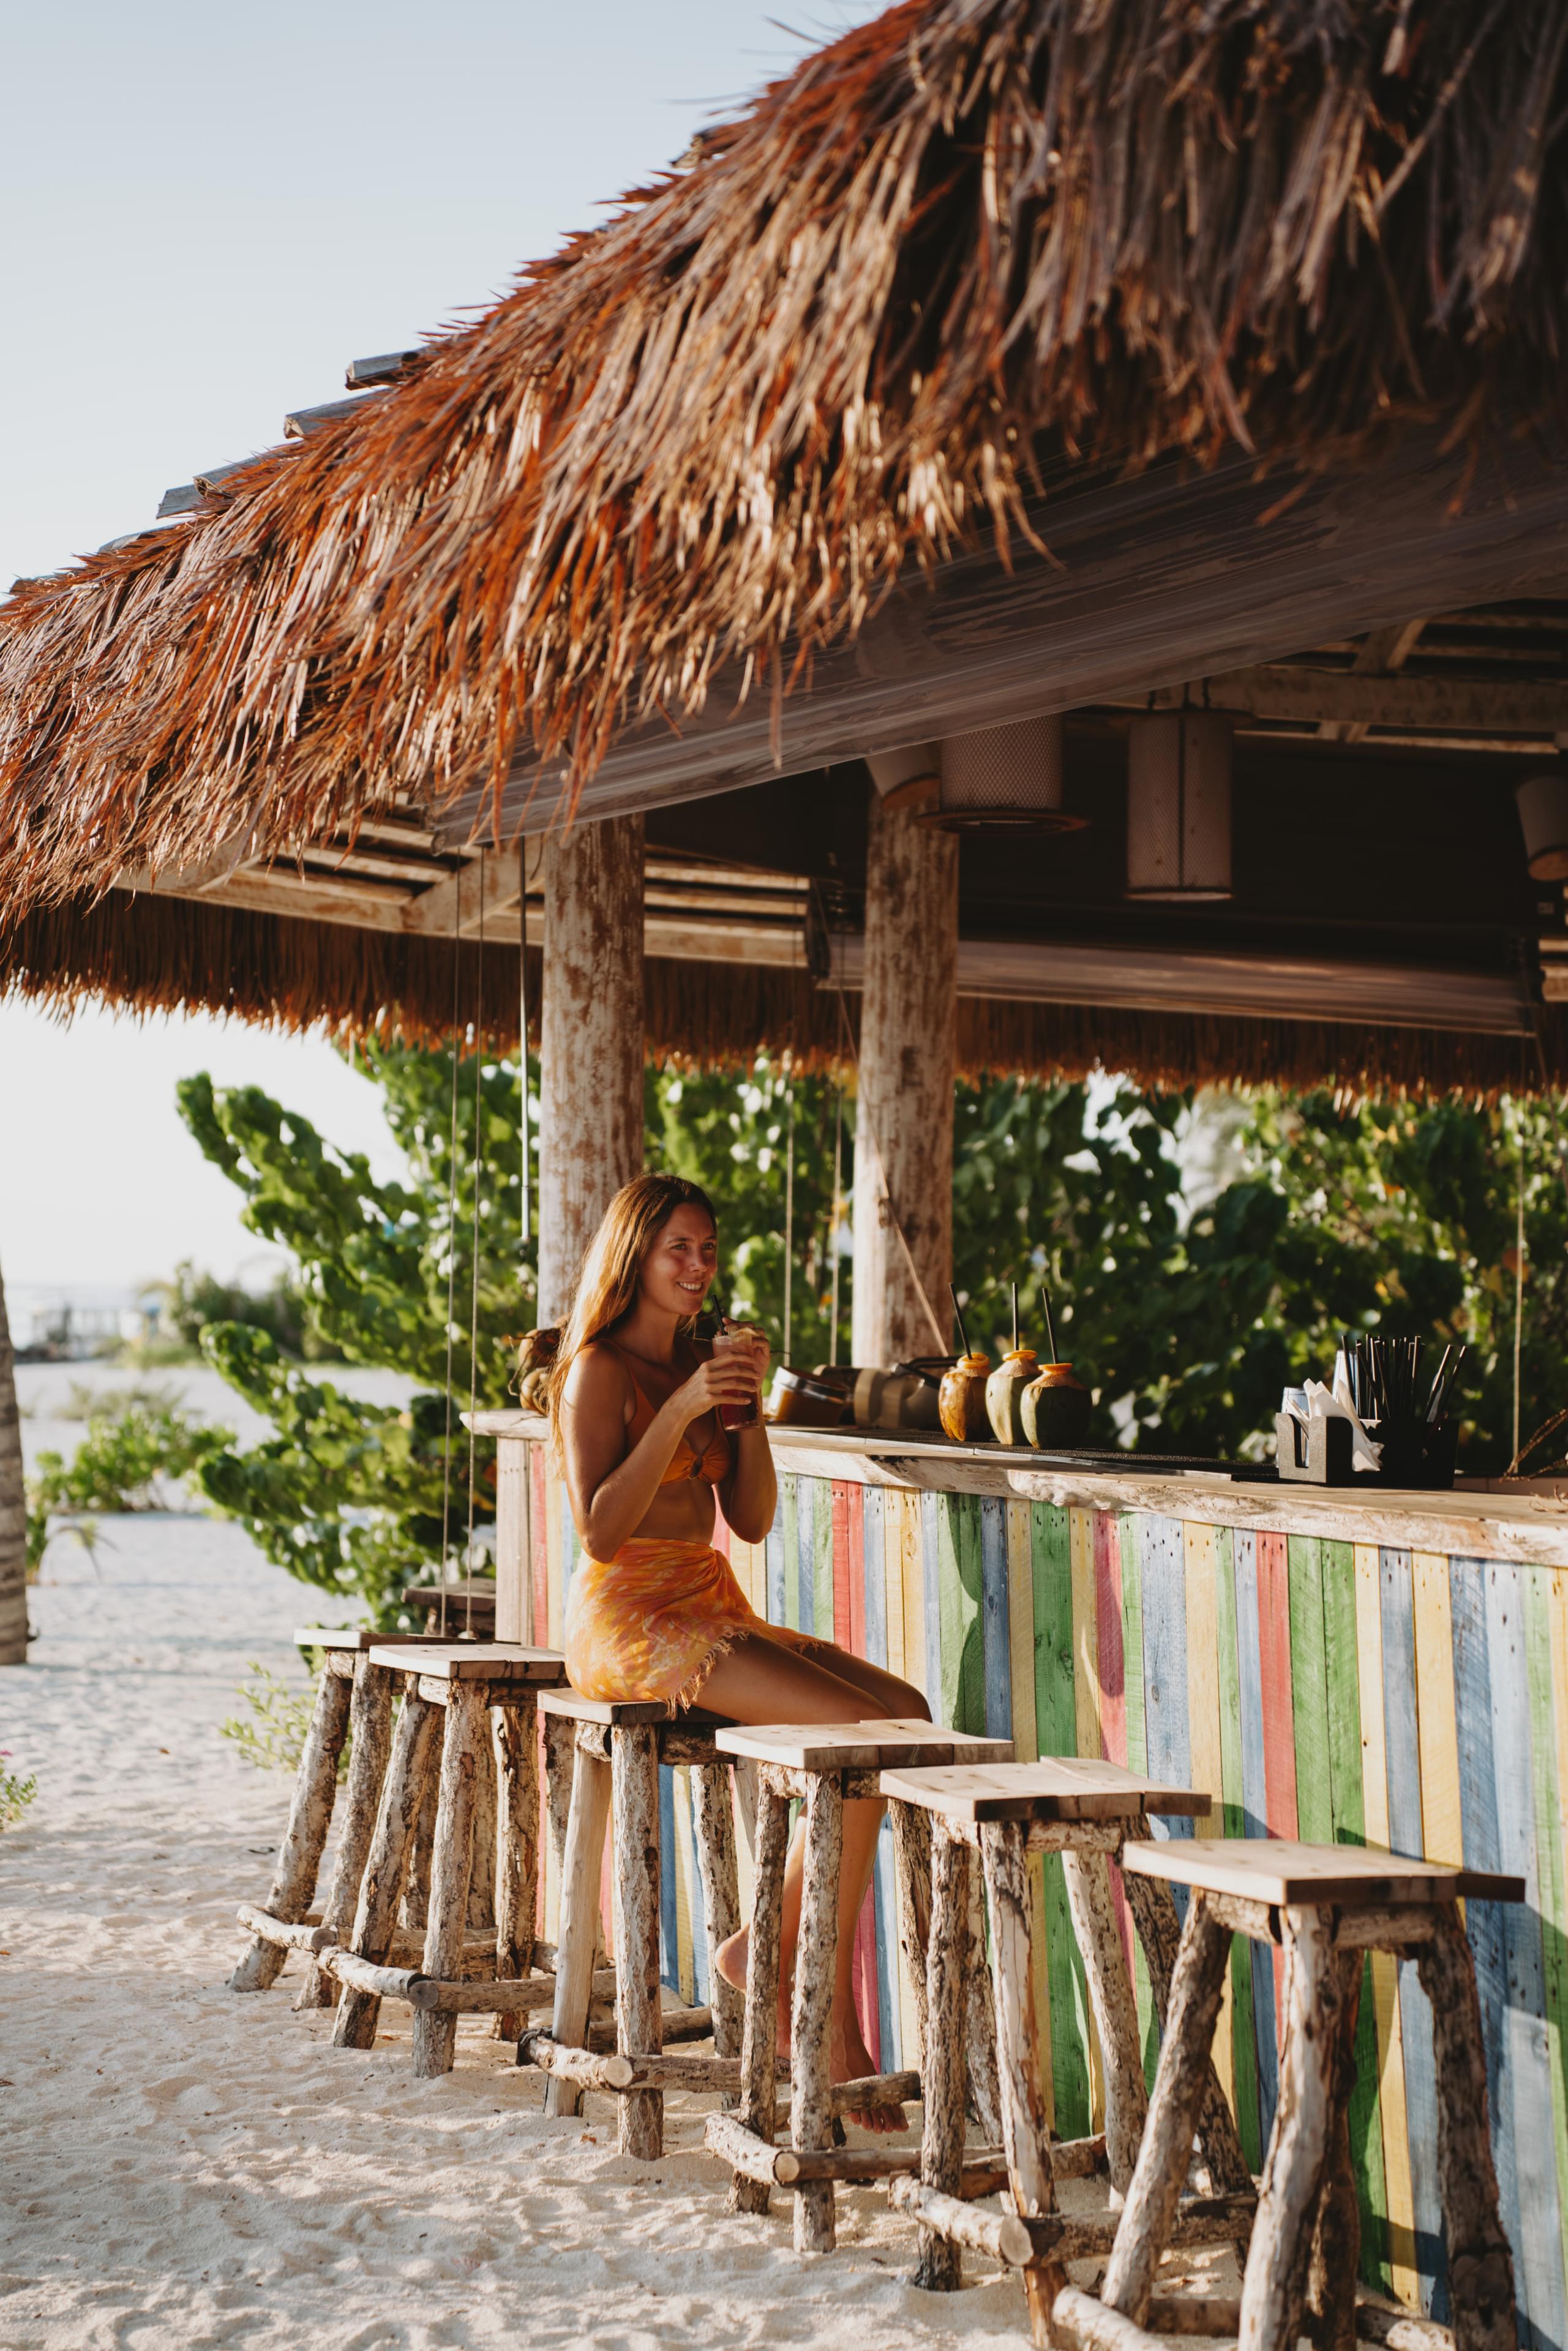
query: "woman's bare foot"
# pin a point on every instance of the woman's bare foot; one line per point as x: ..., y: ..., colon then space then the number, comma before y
x: 850, y: 2061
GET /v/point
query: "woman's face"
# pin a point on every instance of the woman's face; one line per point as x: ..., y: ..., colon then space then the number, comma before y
x: 681, y: 1263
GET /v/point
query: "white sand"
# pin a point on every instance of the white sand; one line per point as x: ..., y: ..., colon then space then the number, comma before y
x: 182, y: 2166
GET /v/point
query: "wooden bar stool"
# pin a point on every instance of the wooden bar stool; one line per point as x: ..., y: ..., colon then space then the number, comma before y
x: 1328, y: 1905
x: 618, y: 1748
x: 451, y: 1686
x: 1083, y: 1809
x: 826, y: 1763
x: 353, y: 1695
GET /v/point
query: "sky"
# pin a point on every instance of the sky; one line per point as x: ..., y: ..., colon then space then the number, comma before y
x: 205, y: 213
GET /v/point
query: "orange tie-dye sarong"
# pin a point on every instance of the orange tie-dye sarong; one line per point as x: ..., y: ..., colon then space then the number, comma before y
x: 651, y: 1622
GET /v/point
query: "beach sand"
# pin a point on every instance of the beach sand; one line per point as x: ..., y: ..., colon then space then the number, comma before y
x: 182, y: 2167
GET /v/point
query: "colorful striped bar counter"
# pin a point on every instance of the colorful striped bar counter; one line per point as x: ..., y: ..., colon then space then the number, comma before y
x: 1389, y: 1669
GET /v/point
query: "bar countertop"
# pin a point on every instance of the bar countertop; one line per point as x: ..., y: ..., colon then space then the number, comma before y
x: 1522, y: 1521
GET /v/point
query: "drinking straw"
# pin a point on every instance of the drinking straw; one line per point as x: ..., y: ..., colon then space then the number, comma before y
x: 1050, y: 1332
x: 1015, y: 1318
x: 959, y: 1318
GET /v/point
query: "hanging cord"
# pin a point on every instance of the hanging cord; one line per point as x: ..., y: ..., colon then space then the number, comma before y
x: 864, y: 1119
x: 833, y: 1213
x: 451, y: 1253
x: 529, y: 881
x: 1519, y: 1290
x: 473, y: 1278
x: 788, y: 1199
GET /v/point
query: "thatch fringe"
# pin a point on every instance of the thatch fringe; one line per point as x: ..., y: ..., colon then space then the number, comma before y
x: 147, y: 954
x: 969, y: 239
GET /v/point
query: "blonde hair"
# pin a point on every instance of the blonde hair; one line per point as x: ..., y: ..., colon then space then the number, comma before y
x: 612, y: 1266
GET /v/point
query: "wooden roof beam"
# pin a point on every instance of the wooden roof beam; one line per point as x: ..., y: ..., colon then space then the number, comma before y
x: 1428, y: 705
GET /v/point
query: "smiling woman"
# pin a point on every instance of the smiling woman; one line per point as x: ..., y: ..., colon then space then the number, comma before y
x: 655, y: 1612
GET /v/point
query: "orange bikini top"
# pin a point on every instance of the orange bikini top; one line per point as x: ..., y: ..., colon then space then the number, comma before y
x: 685, y: 1461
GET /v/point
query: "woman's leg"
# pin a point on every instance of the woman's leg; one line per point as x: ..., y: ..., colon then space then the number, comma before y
x: 759, y: 1680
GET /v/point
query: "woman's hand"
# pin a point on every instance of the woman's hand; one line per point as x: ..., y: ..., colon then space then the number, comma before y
x: 761, y: 1353
x: 725, y: 1378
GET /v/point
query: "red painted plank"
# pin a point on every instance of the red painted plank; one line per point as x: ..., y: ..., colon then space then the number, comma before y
x: 855, y: 1510
x: 1278, y: 1713
x: 538, y: 1539
x: 841, y: 1563
x: 721, y: 1534
x: 865, y: 1975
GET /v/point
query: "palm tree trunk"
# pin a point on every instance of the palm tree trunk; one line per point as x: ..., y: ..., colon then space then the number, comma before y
x: 12, y: 1511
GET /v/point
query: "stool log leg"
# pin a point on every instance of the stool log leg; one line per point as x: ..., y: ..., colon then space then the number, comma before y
x: 639, y: 2032
x: 309, y: 1816
x: 450, y: 1867
x: 980, y: 2024
x: 380, y: 1889
x: 1480, y: 2266
x: 1116, y: 2010
x: 1336, y: 2260
x: 810, y: 2034
x: 912, y: 1849
x: 1273, y: 2290
x: 579, y: 1925
x: 517, y: 1848
x: 759, y: 2039
x: 940, y: 2265
x: 482, y: 1869
x: 416, y: 1888
x: 369, y: 1731
x: 721, y: 1896
x: 1158, y: 1928
x: 1159, y: 2175
x: 560, y: 1748
x: 1019, y: 2070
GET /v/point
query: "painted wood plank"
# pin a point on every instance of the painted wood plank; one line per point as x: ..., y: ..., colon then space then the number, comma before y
x: 994, y: 1619
x: 1056, y: 1724
x: 1526, y: 2041
x: 866, y: 1517
x: 1129, y: 1541
x: 1547, y: 1654
x: 1485, y: 1922
x: 555, y: 1597
x: 690, y: 1923
x: 1411, y: 1720
x: 884, y: 1887
x: 669, y: 1919
x: 934, y: 1530
x: 848, y: 1566
x: 1165, y: 1726
x: 824, y: 1617
x: 1231, y: 1818
x: 1110, y: 1654
x: 912, y: 1576
x: 1255, y: 1804
x: 1020, y: 1631
x: 1399, y: 2271
x: 538, y: 1540
x: 1085, y: 1634
x: 780, y: 1548
x: 1200, y: 1577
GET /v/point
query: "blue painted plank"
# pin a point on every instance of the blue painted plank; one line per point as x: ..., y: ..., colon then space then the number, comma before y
x: 809, y: 1493
x: 1527, y: 2045
x: 994, y: 1618
x: 1255, y: 1814
x: 776, y: 1560
x: 876, y: 1559
x: 1485, y: 1922
x: 1406, y: 1835
x: 702, y: 1990
x: 1164, y: 1666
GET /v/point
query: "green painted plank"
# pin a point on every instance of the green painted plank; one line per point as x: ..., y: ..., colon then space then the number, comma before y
x: 1056, y: 1725
x: 960, y: 1604
x: 1233, y: 1824
x: 1310, y: 1691
x: 1137, y: 1755
x: 1549, y: 1799
x: 1348, y: 1807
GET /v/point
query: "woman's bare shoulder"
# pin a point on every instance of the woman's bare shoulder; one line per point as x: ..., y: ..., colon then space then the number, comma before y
x: 598, y: 1378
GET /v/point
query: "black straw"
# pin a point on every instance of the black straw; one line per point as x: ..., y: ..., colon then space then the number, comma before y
x: 1049, y: 1333
x: 959, y: 1318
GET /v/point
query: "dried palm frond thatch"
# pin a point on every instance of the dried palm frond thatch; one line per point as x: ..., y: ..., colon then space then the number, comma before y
x: 971, y: 240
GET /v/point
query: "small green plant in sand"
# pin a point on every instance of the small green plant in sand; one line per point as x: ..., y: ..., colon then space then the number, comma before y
x: 138, y: 1450
x: 270, y: 1734
x: 15, y: 1793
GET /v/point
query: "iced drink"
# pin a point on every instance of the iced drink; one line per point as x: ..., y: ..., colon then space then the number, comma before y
x: 726, y: 1341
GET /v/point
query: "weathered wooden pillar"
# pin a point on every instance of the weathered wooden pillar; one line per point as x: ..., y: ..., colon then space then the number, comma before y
x: 12, y: 1511
x: 591, y: 1041
x: 903, y: 1124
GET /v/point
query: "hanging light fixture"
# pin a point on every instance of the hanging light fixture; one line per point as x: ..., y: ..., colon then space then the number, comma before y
x: 1543, y: 804
x: 1178, y: 805
x: 998, y: 776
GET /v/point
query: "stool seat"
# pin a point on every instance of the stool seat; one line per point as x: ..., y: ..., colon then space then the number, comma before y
x: 874, y: 1746
x: 1057, y: 1788
x: 1271, y: 1870
x: 472, y: 1661
x: 357, y: 1640
x: 624, y: 1714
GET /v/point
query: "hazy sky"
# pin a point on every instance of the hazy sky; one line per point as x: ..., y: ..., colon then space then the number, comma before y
x: 205, y: 213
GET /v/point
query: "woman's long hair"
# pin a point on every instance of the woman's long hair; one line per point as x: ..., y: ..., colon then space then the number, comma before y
x: 607, y: 1285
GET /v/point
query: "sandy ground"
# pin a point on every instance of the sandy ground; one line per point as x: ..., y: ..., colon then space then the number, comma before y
x: 181, y: 2166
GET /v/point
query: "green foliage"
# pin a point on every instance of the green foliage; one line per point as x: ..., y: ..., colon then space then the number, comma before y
x: 270, y: 1734
x: 15, y: 1793
x: 193, y: 1300
x: 135, y: 1455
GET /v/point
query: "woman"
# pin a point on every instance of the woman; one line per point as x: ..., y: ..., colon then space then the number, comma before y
x: 655, y: 1612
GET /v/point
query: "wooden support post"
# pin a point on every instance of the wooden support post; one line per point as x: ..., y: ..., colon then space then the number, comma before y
x: 1480, y: 2266
x: 1154, y: 1910
x: 636, y: 1796
x: 1336, y: 2260
x: 903, y: 1123
x: 579, y: 1933
x: 816, y: 1953
x: 516, y: 1846
x: 482, y: 1869
x: 1273, y: 2290
x: 1160, y: 2172
x: 380, y: 1889
x: 309, y: 1816
x: 912, y: 1849
x: 1019, y: 2073
x: 591, y: 1033
x: 759, y: 2041
x: 416, y: 1887
x: 721, y: 1895
x: 451, y: 1866
x: 1115, y: 2010
x: 939, y: 2267
x: 369, y: 1735
x: 980, y: 2022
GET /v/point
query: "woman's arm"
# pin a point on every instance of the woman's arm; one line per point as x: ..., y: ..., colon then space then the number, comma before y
x: 610, y: 1497
x: 750, y: 1492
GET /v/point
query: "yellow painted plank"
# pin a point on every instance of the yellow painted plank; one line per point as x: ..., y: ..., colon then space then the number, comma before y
x: 1403, y: 2275
x: 1437, y: 1726
x: 912, y: 1570
x: 1085, y: 1632
x: 685, y: 1946
x: 1201, y: 1569
x: 1020, y: 1631
x: 893, y: 1514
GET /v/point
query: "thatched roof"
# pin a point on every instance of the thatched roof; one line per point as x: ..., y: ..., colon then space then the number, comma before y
x: 971, y: 239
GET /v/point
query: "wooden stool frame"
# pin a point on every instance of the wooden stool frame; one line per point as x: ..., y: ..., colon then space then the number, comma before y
x: 1327, y: 1906
x: 618, y: 1748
